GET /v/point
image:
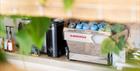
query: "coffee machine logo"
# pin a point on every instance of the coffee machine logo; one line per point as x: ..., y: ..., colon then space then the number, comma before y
x: 78, y: 36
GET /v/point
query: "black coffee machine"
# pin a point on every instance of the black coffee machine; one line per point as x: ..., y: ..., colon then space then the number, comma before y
x: 55, y: 40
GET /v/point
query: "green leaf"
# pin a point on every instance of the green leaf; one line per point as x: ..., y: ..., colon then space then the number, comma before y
x: 2, y: 31
x: 2, y: 27
x: 2, y: 35
x: 68, y: 4
x: 131, y: 68
x: 24, y: 42
x: 117, y: 28
x: 33, y: 34
x: 107, y: 46
x: 2, y: 56
x: 37, y: 29
x: 107, y: 28
x: 121, y: 43
x: 42, y: 2
x: 116, y: 50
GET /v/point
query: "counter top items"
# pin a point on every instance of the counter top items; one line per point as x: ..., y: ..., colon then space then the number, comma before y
x: 86, y: 26
x: 91, y: 44
x: 79, y: 25
x: 9, y: 43
x: 84, y: 42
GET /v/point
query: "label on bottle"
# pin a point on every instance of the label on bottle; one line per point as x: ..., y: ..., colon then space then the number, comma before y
x: 10, y: 46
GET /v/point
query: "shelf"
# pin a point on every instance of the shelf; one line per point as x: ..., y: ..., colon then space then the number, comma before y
x: 44, y: 63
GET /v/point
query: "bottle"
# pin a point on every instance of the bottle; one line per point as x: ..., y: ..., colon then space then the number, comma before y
x: 10, y: 41
x: 6, y: 40
x: 9, y: 45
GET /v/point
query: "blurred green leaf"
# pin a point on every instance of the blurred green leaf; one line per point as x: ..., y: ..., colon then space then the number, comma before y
x: 2, y: 35
x: 116, y: 50
x: 131, y: 69
x: 42, y: 2
x: 2, y: 27
x: 121, y: 44
x: 33, y: 34
x: 2, y: 31
x: 117, y: 28
x: 68, y: 4
x: 37, y: 29
x: 24, y: 42
x: 108, y: 46
x: 2, y: 56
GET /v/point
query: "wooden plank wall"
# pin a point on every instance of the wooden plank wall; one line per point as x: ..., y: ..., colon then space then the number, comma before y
x: 124, y: 11
x: 134, y: 38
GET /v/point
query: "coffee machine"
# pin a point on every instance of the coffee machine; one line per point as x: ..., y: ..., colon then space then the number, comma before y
x: 55, y: 40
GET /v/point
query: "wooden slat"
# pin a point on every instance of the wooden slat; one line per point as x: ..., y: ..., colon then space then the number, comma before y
x: 110, y: 10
